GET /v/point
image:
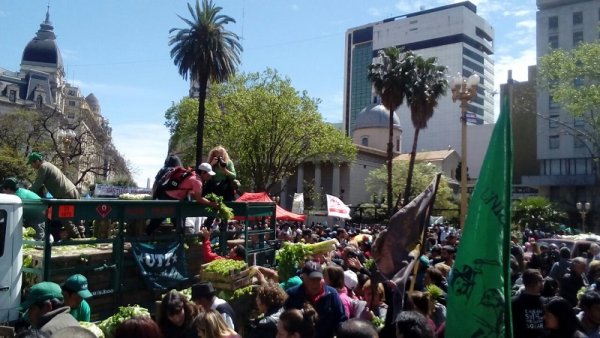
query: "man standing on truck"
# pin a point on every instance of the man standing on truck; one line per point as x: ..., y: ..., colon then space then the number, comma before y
x: 11, y: 186
x: 49, y: 176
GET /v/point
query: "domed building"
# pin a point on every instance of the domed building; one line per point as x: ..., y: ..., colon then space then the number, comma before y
x: 372, y: 128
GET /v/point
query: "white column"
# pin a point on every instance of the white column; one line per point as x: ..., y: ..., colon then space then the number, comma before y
x: 300, y: 183
x: 336, y: 180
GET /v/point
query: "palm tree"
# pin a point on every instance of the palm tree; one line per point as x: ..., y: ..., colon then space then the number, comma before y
x: 429, y: 84
x: 390, y: 75
x: 205, y: 51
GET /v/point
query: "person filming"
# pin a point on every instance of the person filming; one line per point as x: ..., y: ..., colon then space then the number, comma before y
x: 222, y: 183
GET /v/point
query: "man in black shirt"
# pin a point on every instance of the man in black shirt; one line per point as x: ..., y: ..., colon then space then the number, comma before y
x: 528, y: 307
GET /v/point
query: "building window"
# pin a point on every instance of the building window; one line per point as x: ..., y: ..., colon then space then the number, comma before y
x: 578, y: 143
x: 553, y: 121
x: 553, y: 104
x: 554, y: 142
x: 577, y: 18
x: 398, y: 145
x: 71, y: 92
x: 71, y: 115
x: 553, y: 22
x: 553, y: 41
x: 39, y: 101
x: 3, y: 226
x: 72, y: 103
x: 577, y: 38
x: 365, y: 141
x: 579, y: 122
x: 12, y: 95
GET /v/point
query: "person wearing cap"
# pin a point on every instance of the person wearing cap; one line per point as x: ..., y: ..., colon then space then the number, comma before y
x: 11, y: 186
x: 204, y: 295
x: 191, y: 186
x: 75, y: 292
x: 323, y: 298
x: 45, y: 309
x: 52, y: 178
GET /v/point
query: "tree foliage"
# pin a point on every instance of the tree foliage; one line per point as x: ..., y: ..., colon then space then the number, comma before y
x: 267, y: 126
x: 423, y: 175
x: 537, y: 213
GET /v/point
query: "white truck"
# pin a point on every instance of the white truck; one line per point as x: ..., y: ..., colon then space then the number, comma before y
x: 11, y: 256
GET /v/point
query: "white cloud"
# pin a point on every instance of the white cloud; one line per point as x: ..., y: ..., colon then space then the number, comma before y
x: 374, y: 12
x: 529, y: 24
x: 144, y: 145
x: 517, y: 13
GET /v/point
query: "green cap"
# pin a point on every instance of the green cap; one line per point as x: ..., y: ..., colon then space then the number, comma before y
x: 41, y: 292
x: 34, y: 157
x: 78, y: 283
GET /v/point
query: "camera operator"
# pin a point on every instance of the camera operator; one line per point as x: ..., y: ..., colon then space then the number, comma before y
x: 222, y: 183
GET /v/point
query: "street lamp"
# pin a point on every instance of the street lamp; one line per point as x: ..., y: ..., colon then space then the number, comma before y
x: 464, y: 90
x: 583, y: 210
x: 66, y: 137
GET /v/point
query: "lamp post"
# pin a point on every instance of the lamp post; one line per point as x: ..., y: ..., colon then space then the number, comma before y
x: 66, y: 137
x: 583, y: 209
x: 463, y: 90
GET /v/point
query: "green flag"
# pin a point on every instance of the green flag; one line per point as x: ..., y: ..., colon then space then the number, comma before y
x: 479, y: 288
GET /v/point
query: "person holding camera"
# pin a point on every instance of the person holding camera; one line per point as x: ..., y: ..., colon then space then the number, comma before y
x: 222, y: 183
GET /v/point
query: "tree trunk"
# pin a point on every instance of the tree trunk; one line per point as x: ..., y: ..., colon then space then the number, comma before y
x: 203, y: 83
x: 411, y: 167
x: 390, y: 157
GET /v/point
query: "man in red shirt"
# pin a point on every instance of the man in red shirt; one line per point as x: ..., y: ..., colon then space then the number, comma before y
x: 191, y: 186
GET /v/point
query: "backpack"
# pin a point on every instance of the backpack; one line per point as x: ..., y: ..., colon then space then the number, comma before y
x: 173, y: 177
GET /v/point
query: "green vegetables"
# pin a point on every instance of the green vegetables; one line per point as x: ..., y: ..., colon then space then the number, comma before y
x: 224, y: 212
x: 292, y: 255
x: 434, y: 291
x: 378, y: 323
x: 225, y: 267
x: 370, y: 264
x: 109, y: 325
x: 92, y: 327
x: 241, y: 292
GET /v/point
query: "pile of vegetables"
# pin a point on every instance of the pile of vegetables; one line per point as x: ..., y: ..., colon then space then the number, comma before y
x: 378, y: 323
x: 92, y: 327
x: 225, y: 267
x: 292, y: 255
x: 135, y: 197
x: 434, y: 291
x: 224, y: 212
x: 109, y: 325
x: 242, y: 292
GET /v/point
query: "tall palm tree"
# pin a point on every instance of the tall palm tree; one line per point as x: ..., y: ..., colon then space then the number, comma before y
x: 390, y: 76
x: 205, y: 51
x: 429, y: 84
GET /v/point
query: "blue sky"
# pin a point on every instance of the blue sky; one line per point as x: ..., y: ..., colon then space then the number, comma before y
x: 118, y: 50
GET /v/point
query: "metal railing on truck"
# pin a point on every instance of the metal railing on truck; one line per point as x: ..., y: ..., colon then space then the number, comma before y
x: 117, y: 289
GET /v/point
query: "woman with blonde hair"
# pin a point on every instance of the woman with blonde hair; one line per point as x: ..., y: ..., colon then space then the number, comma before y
x: 210, y: 324
x: 222, y: 183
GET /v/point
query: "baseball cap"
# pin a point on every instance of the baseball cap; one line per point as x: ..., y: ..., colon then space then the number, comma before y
x: 313, y: 269
x: 34, y: 157
x: 206, y: 167
x: 40, y: 292
x: 10, y: 183
x: 350, y: 279
x: 78, y: 283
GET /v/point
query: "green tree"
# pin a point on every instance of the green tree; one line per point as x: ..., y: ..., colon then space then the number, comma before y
x: 267, y: 126
x: 428, y: 85
x: 571, y: 78
x: 423, y: 174
x: 205, y: 51
x: 537, y: 213
x: 391, y: 75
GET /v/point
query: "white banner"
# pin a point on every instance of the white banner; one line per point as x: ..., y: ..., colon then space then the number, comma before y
x: 337, y: 208
x: 114, y: 191
x: 298, y: 203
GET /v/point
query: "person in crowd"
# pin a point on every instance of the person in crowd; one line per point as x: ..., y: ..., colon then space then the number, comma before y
x: 434, y: 276
x: 334, y: 277
x: 535, y: 261
x: 75, y: 292
x: 528, y: 307
x: 357, y: 328
x: 171, y: 161
x: 299, y: 323
x: 138, y: 327
x: 210, y: 324
x: 223, y: 182
x: 56, y: 183
x: 560, y: 268
x: 447, y: 254
x: 269, y: 301
x: 238, y: 252
x: 560, y: 319
x: 190, y: 186
x: 550, y: 288
x: 45, y: 309
x: 11, y: 186
x: 412, y: 324
x: 594, y: 252
x: 589, y: 317
x: 204, y: 295
x: 323, y: 298
x: 376, y: 306
x: 176, y: 316
x: 422, y: 304
x: 572, y: 281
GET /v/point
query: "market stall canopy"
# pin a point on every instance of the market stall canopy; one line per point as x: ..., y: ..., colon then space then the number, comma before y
x: 280, y: 213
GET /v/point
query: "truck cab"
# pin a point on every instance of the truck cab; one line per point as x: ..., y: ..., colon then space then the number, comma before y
x: 11, y: 256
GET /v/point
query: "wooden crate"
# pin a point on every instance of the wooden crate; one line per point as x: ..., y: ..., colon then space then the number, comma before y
x: 233, y: 281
